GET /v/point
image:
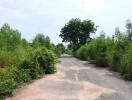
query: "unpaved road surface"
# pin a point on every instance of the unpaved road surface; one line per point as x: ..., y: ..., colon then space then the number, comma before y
x: 77, y: 80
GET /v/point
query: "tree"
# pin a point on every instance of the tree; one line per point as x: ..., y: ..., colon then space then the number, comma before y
x: 41, y: 41
x: 129, y: 29
x: 61, y: 47
x: 24, y: 43
x: 77, y: 32
x: 10, y: 39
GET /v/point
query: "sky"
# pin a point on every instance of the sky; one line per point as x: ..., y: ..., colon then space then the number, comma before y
x: 49, y: 16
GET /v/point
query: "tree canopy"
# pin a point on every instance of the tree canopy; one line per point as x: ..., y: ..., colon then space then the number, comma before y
x: 77, y: 32
x: 10, y: 39
x: 41, y: 40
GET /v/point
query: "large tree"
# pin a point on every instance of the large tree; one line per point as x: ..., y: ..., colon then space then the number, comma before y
x: 77, y: 32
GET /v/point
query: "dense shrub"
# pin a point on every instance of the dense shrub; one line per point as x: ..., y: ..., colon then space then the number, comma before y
x: 101, y: 48
x: 126, y: 64
x: 38, y: 62
x: 8, y: 58
x: 10, y: 78
x: 56, y: 51
x: 61, y: 48
x: 21, y: 61
x: 7, y: 83
x: 69, y: 51
x: 81, y: 53
x: 96, y: 51
x: 91, y: 47
x: 115, y: 53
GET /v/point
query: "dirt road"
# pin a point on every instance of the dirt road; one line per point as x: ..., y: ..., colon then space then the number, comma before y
x: 77, y: 80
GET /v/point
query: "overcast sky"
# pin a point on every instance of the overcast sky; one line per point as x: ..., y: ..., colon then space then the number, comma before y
x: 49, y: 16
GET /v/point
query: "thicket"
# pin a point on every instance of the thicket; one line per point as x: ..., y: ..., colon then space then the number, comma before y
x: 22, y: 61
x: 114, y: 52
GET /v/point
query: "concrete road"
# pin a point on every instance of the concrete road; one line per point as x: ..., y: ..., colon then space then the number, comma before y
x: 77, y: 80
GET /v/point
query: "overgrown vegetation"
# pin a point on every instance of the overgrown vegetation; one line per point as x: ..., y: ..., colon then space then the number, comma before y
x: 113, y: 52
x: 21, y: 61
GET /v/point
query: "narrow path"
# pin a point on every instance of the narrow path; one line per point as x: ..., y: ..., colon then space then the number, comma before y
x: 77, y: 80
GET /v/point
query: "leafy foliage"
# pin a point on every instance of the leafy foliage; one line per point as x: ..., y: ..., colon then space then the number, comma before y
x: 114, y: 53
x: 9, y: 39
x: 41, y: 41
x: 21, y: 61
x: 96, y: 50
x: 39, y: 62
x: 126, y: 62
x: 82, y: 53
x: 77, y: 32
x: 61, y: 48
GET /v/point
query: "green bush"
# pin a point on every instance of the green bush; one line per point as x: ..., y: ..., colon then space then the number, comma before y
x: 56, y: 51
x: 101, y: 48
x: 103, y: 45
x: 21, y: 61
x: 7, y: 83
x: 115, y: 53
x: 96, y: 51
x: 91, y: 51
x: 10, y: 78
x: 81, y: 53
x: 126, y: 64
x: 40, y: 61
x: 36, y: 63
x: 20, y: 75
x: 61, y: 48
x: 8, y: 58
x: 69, y: 51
